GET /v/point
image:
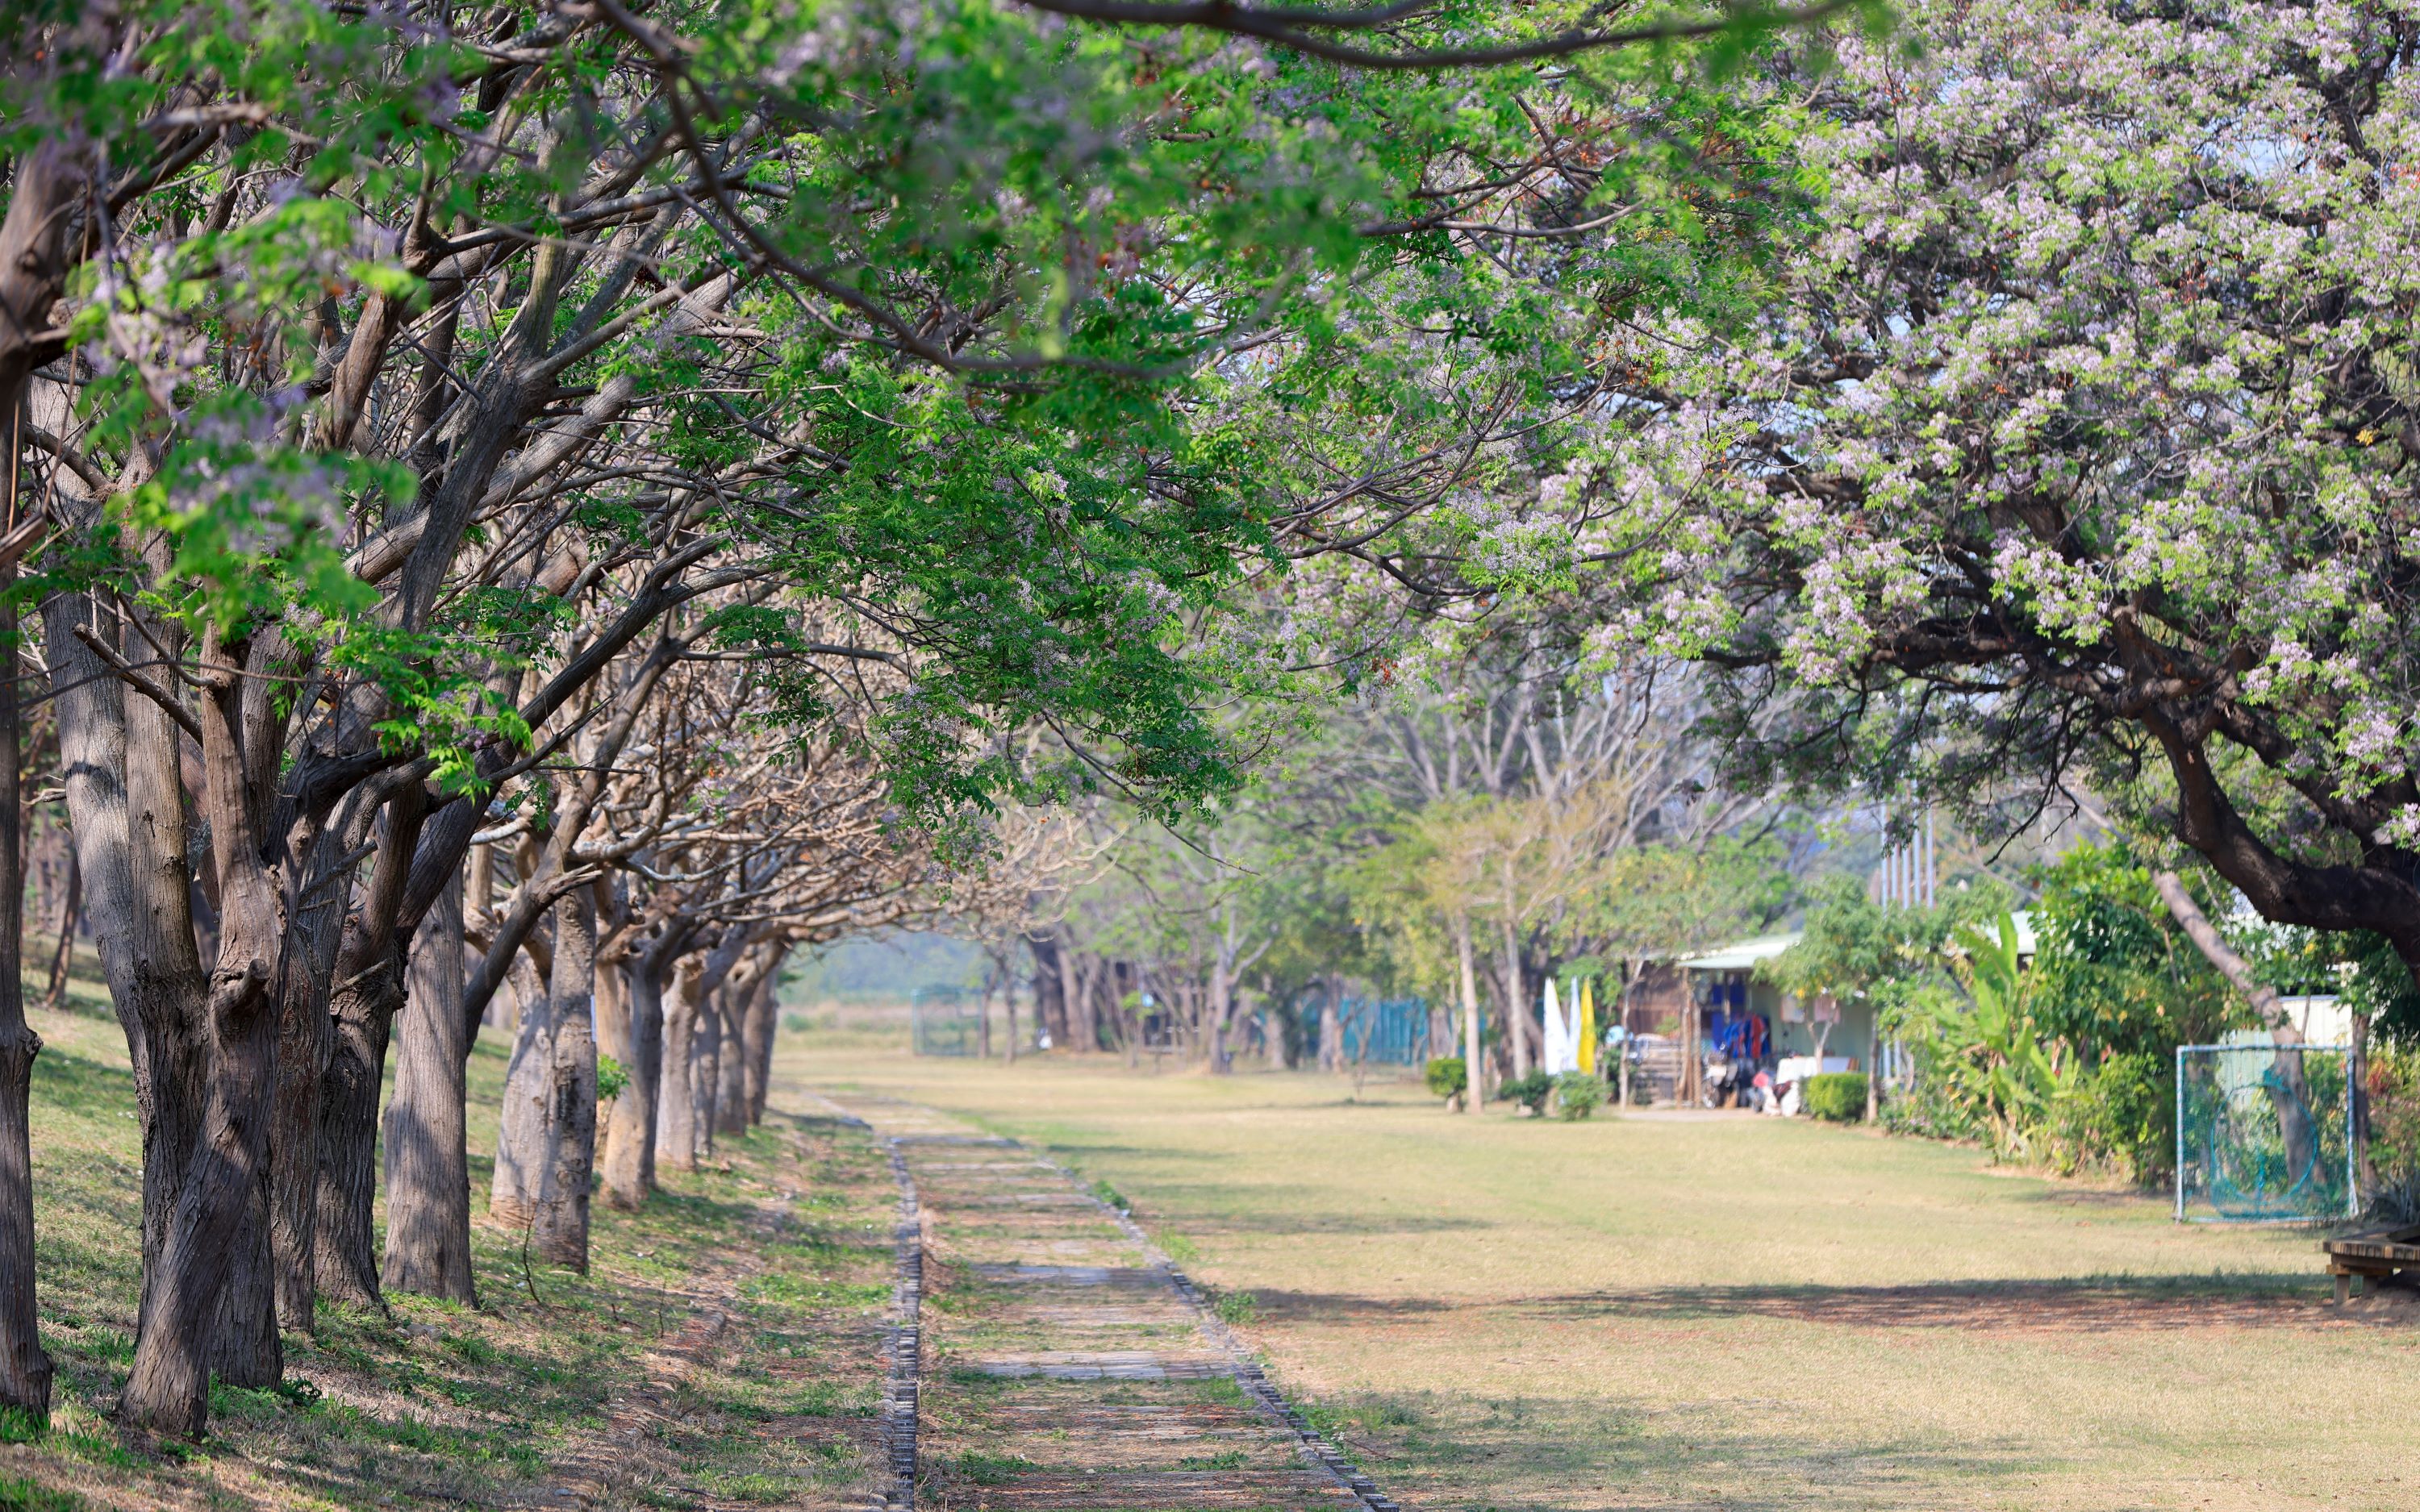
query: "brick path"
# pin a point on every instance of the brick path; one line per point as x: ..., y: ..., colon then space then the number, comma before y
x: 1063, y: 1362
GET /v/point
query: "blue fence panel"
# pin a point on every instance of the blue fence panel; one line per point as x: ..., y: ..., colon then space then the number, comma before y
x: 1388, y: 1032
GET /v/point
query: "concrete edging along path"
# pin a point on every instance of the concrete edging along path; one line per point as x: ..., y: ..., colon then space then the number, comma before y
x: 906, y: 1346
x: 1247, y: 1372
x: 903, y: 1344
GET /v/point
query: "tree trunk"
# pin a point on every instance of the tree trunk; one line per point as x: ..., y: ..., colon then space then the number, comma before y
x: 1874, y: 1067
x: 1331, y: 1026
x: 1222, y: 1013
x: 25, y: 1369
x: 731, y: 1079
x: 1083, y: 1010
x: 2288, y: 1093
x: 764, y: 1023
x: 1050, y: 998
x: 305, y: 1042
x: 331, y: 1058
x: 205, y: 1314
x: 561, y: 1231
x: 614, y: 1014
x: 428, y: 1165
x: 35, y: 242
x: 705, y: 1071
x: 1516, y: 1017
x: 518, y: 1184
x: 630, y: 1134
x: 1474, y: 1067
x: 676, y: 1102
x: 345, y: 1245
x: 2357, y: 1068
x: 1008, y: 1010
x: 127, y: 819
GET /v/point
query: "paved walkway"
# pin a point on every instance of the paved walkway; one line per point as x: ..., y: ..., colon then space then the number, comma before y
x: 1065, y: 1365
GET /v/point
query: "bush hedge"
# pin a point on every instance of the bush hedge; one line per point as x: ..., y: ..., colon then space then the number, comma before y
x: 1837, y: 1096
x: 1577, y: 1094
x: 1530, y: 1091
x: 1446, y: 1076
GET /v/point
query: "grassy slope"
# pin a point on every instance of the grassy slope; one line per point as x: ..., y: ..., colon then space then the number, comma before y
x: 726, y: 1342
x: 1739, y: 1313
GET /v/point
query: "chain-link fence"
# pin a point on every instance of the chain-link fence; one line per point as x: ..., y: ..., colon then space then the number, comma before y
x: 2262, y: 1133
x: 945, y: 1021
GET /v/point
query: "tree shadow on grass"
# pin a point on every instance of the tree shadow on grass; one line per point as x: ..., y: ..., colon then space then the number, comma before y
x: 2095, y: 1304
x: 1196, y: 1209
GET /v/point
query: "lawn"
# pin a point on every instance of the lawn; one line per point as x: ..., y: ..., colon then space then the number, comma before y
x: 1667, y: 1311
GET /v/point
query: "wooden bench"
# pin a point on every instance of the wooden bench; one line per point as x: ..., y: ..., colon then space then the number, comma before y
x: 2376, y: 1255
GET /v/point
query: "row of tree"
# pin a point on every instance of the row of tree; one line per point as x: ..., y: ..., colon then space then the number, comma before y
x: 611, y: 493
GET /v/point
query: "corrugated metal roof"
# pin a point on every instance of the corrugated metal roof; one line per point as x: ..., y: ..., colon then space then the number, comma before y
x: 1742, y: 955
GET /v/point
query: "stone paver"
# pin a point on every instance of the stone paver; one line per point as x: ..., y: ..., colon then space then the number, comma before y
x: 1064, y: 1364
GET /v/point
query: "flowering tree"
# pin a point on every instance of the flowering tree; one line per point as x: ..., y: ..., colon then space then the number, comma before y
x: 2080, y: 435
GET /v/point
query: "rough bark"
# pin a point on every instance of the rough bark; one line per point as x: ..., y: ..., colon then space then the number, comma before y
x: 368, y: 993
x: 515, y: 1188
x: 1331, y: 1026
x: 731, y: 1078
x: 36, y: 240
x: 305, y: 1039
x: 677, y: 1103
x: 629, y: 1158
x: 1222, y: 1013
x: 224, y: 1185
x: 1051, y: 996
x: 613, y: 1010
x: 1474, y: 1068
x: 704, y: 1079
x: 428, y: 1166
x: 126, y: 807
x: 764, y: 1021
x: 309, y: 1073
x: 561, y: 1231
x: 25, y: 1369
x: 1517, y: 1016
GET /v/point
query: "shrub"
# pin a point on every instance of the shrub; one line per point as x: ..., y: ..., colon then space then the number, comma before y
x: 1530, y: 1091
x: 610, y: 1079
x: 1838, y: 1096
x: 1577, y: 1094
x: 2394, y: 1088
x: 2118, y: 1116
x: 1448, y: 1077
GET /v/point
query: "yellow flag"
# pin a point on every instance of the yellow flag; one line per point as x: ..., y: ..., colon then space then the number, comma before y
x: 1588, y: 1028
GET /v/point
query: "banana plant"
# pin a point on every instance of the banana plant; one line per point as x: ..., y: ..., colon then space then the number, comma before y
x: 2003, y: 1071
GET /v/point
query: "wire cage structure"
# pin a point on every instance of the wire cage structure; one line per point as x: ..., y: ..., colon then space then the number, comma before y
x: 2263, y: 1134
x: 945, y: 1021
x: 1386, y: 1032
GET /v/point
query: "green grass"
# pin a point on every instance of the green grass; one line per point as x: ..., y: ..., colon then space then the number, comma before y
x: 30, y: 1496
x: 436, y: 1404
x: 1659, y: 1311
x: 992, y: 1469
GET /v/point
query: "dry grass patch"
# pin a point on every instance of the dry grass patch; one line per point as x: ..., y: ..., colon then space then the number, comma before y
x: 1502, y: 1313
x: 723, y: 1348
